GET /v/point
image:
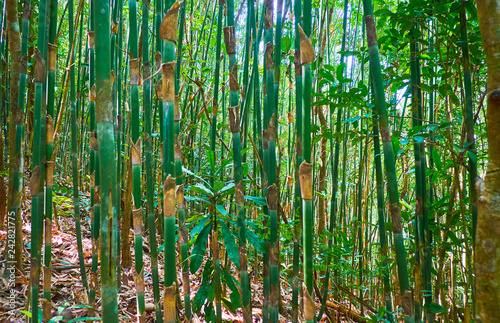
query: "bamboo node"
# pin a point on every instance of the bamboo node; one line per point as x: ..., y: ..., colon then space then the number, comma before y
x: 233, y: 78
x: 177, y: 149
x: 90, y: 35
x: 296, y: 63
x: 49, y: 129
x: 137, y: 219
x: 230, y: 40
x: 168, y: 86
x: 269, y: 56
x: 305, y: 176
x: 169, y: 311
x: 146, y: 70
x: 168, y: 27
x: 177, y: 111
x: 306, y: 49
x: 309, y: 306
x: 181, y: 202
x: 169, y: 196
x: 135, y: 151
x: 52, y: 66
x: 234, y: 119
x: 92, y: 93
x: 371, y: 32
x: 35, y: 181
x: 135, y: 74
x: 272, y: 197
x: 238, y: 193
x: 39, y: 66
x: 268, y: 14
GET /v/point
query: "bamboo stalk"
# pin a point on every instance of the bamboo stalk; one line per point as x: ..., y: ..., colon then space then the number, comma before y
x: 389, y: 162
x: 148, y: 151
x: 109, y: 200
x: 298, y: 162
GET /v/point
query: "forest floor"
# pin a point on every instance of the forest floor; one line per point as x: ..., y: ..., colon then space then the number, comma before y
x: 68, y: 291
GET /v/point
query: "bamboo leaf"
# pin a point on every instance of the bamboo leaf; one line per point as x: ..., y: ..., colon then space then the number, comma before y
x: 434, y: 308
x: 472, y: 156
x: 254, y: 240
x: 199, y: 248
x: 228, y: 189
x: 437, y: 160
x: 231, y: 248
x: 202, y: 293
x: 259, y: 200
x: 200, y: 188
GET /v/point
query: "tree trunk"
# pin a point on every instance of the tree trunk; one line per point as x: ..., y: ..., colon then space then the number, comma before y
x: 488, y: 227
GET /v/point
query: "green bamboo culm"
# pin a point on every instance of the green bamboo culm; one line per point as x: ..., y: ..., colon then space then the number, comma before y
x: 109, y: 201
x: 183, y: 243
x: 431, y: 152
x: 298, y: 161
x: 51, y: 57
x: 471, y: 144
x: 269, y: 137
x: 94, y: 162
x: 169, y: 305
x: 234, y: 122
x: 379, y: 177
x: 168, y: 34
x: 306, y: 189
x: 416, y: 108
x: 235, y: 126
x: 148, y: 151
x: 20, y: 91
x: 122, y: 124
x: 335, y: 160
x: 36, y: 215
x: 74, y: 148
x: 307, y: 56
x: 212, y: 152
x: 135, y: 151
x: 389, y: 162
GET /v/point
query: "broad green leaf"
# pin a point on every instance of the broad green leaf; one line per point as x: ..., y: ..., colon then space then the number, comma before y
x: 228, y: 189
x: 199, y: 248
x: 340, y: 71
x: 199, y: 226
x: 437, y: 159
x: 382, y: 12
x: 57, y: 318
x: 259, y: 200
x: 434, y: 308
x: 200, y: 188
x: 210, y: 157
x: 188, y: 172
x: 286, y: 43
x: 201, y: 295
x: 218, y: 185
x: 225, y: 163
x: 472, y: 156
x: 195, y: 198
x: 327, y: 75
x: 395, y: 144
x: 231, y: 248
x: 351, y: 120
x: 254, y: 240
x: 221, y: 209
x: 235, y: 294
x: 418, y: 139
